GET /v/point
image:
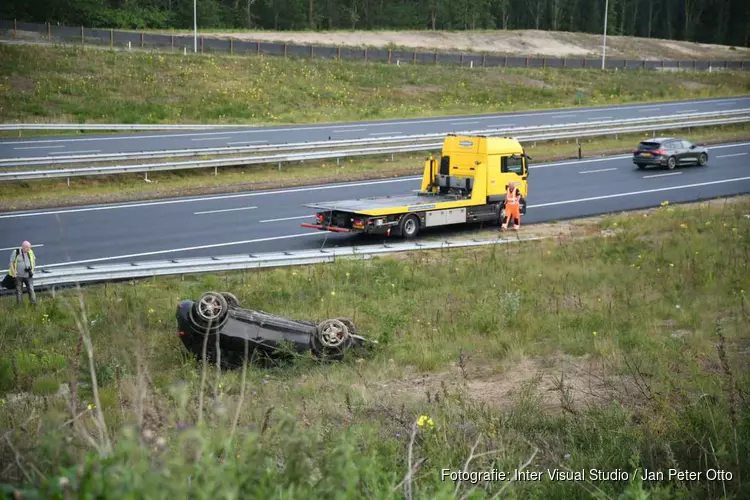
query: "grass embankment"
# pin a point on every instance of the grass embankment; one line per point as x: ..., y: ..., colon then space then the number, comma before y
x: 77, y: 84
x: 625, y: 349
x: 82, y: 191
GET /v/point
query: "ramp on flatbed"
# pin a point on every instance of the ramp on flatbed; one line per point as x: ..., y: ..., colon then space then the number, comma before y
x: 412, y: 201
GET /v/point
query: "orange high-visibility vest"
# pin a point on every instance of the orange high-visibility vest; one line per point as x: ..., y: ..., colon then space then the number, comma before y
x: 511, y: 198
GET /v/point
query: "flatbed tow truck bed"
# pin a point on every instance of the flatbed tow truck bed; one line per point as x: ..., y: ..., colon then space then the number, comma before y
x: 364, y: 205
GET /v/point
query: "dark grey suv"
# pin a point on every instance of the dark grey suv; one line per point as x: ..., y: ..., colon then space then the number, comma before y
x: 669, y: 152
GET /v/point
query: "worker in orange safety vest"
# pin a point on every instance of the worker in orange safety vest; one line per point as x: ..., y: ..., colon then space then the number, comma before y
x: 512, y: 206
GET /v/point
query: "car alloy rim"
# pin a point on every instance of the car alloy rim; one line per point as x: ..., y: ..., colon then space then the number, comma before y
x: 210, y: 307
x: 333, y: 333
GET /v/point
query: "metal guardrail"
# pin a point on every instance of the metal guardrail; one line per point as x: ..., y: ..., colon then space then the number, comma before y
x: 288, y: 157
x: 116, y: 126
x: 318, y: 145
x: 130, y: 270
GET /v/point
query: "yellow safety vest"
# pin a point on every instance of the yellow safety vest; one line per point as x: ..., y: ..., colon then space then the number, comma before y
x: 32, y: 259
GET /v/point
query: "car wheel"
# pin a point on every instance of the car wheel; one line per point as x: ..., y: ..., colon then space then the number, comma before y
x: 231, y: 299
x: 330, y: 339
x: 209, y: 313
x: 409, y: 226
x: 671, y: 163
x: 702, y: 159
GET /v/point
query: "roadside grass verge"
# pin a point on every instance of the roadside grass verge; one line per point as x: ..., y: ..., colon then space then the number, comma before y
x: 132, y: 187
x: 83, y: 85
x: 624, y: 349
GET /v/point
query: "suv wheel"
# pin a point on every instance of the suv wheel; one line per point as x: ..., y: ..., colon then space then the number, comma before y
x: 671, y: 163
x: 702, y: 159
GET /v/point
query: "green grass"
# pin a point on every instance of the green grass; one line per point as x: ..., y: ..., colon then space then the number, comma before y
x: 81, y: 191
x: 643, y: 335
x: 77, y: 84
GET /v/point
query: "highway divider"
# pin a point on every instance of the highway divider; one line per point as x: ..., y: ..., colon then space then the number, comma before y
x: 63, y: 276
x: 338, y: 154
x: 70, y: 159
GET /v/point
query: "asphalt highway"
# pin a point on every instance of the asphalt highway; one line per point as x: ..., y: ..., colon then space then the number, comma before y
x: 264, y: 221
x: 248, y: 136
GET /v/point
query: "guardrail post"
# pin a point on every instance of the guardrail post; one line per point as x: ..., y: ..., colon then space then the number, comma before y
x: 484, y: 60
x: 436, y: 57
x: 201, y: 45
x: 141, y: 39
x: 285, y: 50
x: 231, y: 46
x: 338, y: 53
x: 390, y: 54
x: 15, y: 28
x: 257, y: 47
x: 365, y: 55
x: 216, y: 171
x: 580, y: 155
x: 526, y: 64
x: 461, y: 61
x: 49, y: 31
x: 81, y: 35
x: 312, y: 51
x: 111, y: 38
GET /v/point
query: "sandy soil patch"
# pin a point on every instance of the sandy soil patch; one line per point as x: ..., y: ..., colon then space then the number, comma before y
x: 513, y: 43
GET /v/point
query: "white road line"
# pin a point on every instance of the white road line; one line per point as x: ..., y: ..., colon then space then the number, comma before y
x: 224, y: 210
x: 211, y: 198
x: 648, y: 110
x: 729, y: 156
x: 35, y: 245
x: 246, y: 142
x: 598, y: 170
x: 558, y: 115
x: 725, y: 103
x: 387, y: 133
x: 330, y: 126
x: 683, y: 112
x: 661, y: 175
x: 464, y: 122
x: 174, y: 250
x: 58, y: 153
x: 600, y: 118
x: 578, y: 162
x: 288, y: 218
x: 340, y: 130
x: 211, y: 138
x: 36, y: 147
x: 500, y: 125
x: 645, y: 191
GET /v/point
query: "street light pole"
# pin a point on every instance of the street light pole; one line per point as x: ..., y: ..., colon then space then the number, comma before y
x: 604, y: 44
x: 195, y: 26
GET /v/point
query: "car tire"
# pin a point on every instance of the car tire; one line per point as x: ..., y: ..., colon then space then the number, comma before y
x: 330, y: 340
x: 671, y: 163
x: 409, y: 227
x: 210, y: 313
x: 702, y: 159
x: 232, y: 300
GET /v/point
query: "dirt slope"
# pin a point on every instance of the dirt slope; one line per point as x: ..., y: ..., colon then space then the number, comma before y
x: 517, y: 43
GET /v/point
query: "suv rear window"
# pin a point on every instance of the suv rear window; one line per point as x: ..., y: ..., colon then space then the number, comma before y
x: 649, y: 146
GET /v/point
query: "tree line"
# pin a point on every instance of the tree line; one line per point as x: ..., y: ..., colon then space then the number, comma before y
x: 709, y: 21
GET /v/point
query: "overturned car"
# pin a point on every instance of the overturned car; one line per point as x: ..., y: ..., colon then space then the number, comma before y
x: 267, y: 336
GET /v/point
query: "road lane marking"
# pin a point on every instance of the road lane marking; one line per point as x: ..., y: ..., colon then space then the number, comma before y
x: 224, y: 210
x: 174, y: 250
x: 311, y: 216
x: 600, y: 118
x: 341, y: 130
x: 58, y: 153
x: 459, y: 122
x: 246, y: 142
x: 323, y: 127
x: 35, y: 245
x: 500, y: 125
x: 35, y: 147
x: 598, y: 170
x: 212, y: 198
x: 211, y: 138
x: 648, y: 110
x: 686, y: 111
x: 726, y: 103
x: 645, y: 191
x: 661, y: 175
x: 558, y: 115
x: 729, y: 156
x: 387, y: 133
x: 577, y: 162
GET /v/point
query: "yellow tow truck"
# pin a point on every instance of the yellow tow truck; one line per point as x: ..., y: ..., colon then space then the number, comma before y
x: 466, y: 184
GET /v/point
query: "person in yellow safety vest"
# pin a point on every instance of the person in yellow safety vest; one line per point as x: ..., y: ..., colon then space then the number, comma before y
x: 22, y: 267
x: 512, y: 206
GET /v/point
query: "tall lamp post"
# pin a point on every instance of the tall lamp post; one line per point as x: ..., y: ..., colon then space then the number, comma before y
x: 195, y: 26
x: 604, y: 44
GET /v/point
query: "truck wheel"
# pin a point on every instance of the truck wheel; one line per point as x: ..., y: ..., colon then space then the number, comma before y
x: 409, y: 226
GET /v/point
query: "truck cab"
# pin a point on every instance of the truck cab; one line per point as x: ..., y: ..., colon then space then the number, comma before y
x: 467, y: 183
